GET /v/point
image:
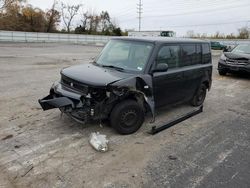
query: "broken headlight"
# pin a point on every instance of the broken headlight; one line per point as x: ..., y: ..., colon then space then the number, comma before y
x: 118, y: 91
x: 98, y: 94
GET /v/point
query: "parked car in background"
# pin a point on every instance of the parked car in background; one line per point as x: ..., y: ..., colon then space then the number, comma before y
x: 236, y: 60
x: 217, y: 46
x: 132, y: 76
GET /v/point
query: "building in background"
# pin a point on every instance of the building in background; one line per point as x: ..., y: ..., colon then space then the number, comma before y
x: 151, y: 34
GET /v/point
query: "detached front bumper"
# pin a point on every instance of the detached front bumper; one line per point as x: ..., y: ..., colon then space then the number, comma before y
x: 60, y: 97
x: 50, y: 102
x: 222, y: 65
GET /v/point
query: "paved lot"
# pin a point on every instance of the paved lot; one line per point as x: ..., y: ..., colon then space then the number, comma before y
x: 43, y: 149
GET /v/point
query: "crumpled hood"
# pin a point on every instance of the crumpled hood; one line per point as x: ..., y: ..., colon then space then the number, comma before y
x: 93, y: 75
x: 237, y: 56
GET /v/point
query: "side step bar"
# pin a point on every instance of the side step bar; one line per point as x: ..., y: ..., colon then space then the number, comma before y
x: 156, y: 130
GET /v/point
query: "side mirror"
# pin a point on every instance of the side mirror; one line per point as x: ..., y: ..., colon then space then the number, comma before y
x: 161, y: 67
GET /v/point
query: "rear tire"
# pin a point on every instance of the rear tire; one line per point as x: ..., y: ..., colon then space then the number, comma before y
x: 199, y: 96
x: 127, y: 117
x: 222, y: 72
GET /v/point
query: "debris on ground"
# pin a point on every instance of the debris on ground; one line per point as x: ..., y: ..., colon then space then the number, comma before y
x: 171, y: 157
x: 139, y: 143
x: 7, y: 137
x: 17, y: 146
x: 98, y: 142
x: 26, y: 169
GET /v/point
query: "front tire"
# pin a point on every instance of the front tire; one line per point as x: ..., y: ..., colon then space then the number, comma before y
x: 127, y: 117
x: 222, y: 72
x: 199, y: 96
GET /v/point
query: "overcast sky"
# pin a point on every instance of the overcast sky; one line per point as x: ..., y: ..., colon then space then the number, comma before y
x: 201, y: 16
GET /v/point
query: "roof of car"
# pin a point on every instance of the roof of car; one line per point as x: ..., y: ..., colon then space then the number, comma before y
x: 162, y: 39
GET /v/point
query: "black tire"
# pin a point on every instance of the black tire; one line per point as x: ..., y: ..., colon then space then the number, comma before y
x: 222, y: 72
x: 200, y: 95
x: 127, y: 117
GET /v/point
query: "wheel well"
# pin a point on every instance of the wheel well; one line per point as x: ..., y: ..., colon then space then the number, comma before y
x: 139, y: 98
x: 206, y: 83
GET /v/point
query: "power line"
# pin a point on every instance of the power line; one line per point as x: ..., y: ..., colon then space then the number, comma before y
x: 209, y: 8
x: 194, y: 12
x: 139, y: 7
x: 201, y: 11
x: 126, y: 11
x: 186, y: 6
x: 221, y: 23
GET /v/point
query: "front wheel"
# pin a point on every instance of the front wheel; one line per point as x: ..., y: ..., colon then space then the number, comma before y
x: 222, y: 72
x: 127, y: 117
x: 199, y: 96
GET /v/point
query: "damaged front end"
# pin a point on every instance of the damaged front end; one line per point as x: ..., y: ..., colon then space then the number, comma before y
x: 84, y: 103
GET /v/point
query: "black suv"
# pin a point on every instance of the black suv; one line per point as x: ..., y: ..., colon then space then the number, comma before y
x: 238, y: 60
x: 132, y: 76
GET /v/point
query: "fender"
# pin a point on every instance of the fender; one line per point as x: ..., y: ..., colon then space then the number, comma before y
x: 140, y: 85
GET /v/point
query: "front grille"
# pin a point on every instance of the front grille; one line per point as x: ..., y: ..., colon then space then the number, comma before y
x: 74, y: 84
x: 237, y: 62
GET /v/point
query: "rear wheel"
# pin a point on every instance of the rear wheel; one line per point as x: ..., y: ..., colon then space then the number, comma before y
x: 200, y: 95
x: 127, y: 117
x: 222, y: 72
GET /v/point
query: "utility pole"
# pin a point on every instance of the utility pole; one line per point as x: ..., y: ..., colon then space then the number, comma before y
x: 139, y: 8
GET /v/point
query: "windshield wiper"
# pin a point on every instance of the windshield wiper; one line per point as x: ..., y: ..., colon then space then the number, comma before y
x: 113, y: 67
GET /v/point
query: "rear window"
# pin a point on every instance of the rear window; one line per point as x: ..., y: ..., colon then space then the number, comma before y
x: 206, y: 53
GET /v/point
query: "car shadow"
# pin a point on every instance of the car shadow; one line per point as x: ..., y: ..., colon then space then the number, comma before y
x: 239, y: 75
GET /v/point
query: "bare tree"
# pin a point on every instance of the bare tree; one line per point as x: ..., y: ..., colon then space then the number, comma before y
x: 84, y: 18
x: 244, y: 33
x: 68, y: 13
x: 5, y: 3
x: 53, y: 17
x: 105, y: 20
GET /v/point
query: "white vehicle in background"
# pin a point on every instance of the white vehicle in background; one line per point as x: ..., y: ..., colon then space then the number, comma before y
x: 151, y: 34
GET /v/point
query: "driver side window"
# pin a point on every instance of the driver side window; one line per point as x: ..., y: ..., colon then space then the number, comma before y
x: 169, y: 55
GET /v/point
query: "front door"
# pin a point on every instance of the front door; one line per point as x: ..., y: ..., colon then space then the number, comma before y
x: 168, y: 85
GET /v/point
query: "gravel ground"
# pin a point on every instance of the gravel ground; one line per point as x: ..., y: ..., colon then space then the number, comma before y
x: 43, y: 149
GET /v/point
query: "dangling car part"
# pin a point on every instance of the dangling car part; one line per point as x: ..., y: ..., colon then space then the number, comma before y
x: 157, y: 129
x: 133, y: 76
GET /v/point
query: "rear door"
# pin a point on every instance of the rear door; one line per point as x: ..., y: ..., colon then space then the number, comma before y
x: 193, y: 67
x: 168, y: 86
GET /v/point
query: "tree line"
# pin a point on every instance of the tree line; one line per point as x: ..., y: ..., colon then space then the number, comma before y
x: 243, y: 33
x: 17, y: 15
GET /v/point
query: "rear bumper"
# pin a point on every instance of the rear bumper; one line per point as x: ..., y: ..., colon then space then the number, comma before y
x: 233, y: 68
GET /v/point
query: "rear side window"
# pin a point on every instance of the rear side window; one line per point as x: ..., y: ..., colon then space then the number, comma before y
x: 191, y: 54
x: 206, y: 53
x: 169, y: 55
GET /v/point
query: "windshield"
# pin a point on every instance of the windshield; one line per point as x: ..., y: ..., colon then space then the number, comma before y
x: 126, y: 55
x: 242, y: 48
